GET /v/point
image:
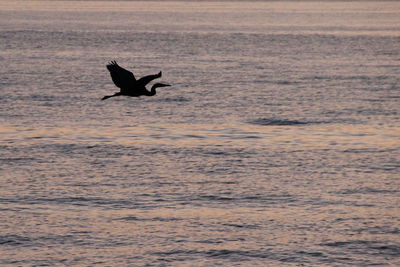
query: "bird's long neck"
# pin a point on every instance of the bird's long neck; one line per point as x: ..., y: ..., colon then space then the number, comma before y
x: 153, y: 88
x: 153, y: 91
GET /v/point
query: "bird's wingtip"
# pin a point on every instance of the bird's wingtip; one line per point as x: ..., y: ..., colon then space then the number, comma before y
x: 112, y: 62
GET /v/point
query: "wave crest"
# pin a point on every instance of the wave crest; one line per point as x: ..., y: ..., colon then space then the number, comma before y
x: 277, y: 122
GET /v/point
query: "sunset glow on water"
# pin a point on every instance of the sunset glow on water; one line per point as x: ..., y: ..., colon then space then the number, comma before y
x: 278, y: 143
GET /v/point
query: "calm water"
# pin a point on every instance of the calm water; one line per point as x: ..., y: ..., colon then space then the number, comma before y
x: 277, y: 145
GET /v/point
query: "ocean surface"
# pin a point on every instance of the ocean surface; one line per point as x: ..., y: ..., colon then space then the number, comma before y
x: 278, y: 143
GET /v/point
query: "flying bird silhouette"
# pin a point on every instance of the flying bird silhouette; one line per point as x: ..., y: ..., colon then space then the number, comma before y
x: 128, y: 84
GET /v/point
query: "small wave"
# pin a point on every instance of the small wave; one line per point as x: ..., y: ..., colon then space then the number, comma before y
x: 245, y: 226
x: 152, y: 219
x: 392, y: 250
x: 217, y: 198
x: 13, y: 240
x: 348, y: 243
x: 34, y: 241
x: 367, y: 190
x: 176, y: 99
x: 286, y: 82
x: 312, y: 253
x: 18, y: 159
x: 277, y: 122
x: 388, y: 249
x: 237, y: 255
x: 42, y: 97
x: 194, y: 136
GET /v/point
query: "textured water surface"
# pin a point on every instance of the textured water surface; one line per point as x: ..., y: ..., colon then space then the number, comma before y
x: 277, y: 145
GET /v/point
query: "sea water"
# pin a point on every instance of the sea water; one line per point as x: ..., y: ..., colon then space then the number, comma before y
x: 277, y: 144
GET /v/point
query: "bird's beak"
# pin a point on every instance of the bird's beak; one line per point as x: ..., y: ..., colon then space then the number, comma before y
x: 162, y: 84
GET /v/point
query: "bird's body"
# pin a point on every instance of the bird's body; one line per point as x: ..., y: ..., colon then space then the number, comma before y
x: 128, y: 84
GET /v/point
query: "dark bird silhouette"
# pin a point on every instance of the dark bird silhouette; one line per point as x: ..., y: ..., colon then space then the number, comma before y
x: 128, y: 84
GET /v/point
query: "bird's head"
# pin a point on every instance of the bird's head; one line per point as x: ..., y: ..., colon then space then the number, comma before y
x: 156, y: 85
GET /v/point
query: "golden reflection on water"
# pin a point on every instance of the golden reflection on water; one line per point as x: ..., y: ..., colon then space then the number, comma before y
x: 126, y: 231
x: 201, y: 229
x: 312, y: 136
x: 332, y: 23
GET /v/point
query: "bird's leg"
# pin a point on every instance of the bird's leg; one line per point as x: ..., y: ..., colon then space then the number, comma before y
x: 108, y: 96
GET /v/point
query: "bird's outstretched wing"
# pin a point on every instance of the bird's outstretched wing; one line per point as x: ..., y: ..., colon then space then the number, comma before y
x: 122, y: 78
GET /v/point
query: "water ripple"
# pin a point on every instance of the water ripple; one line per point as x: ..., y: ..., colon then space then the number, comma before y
x: 277, y: 122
